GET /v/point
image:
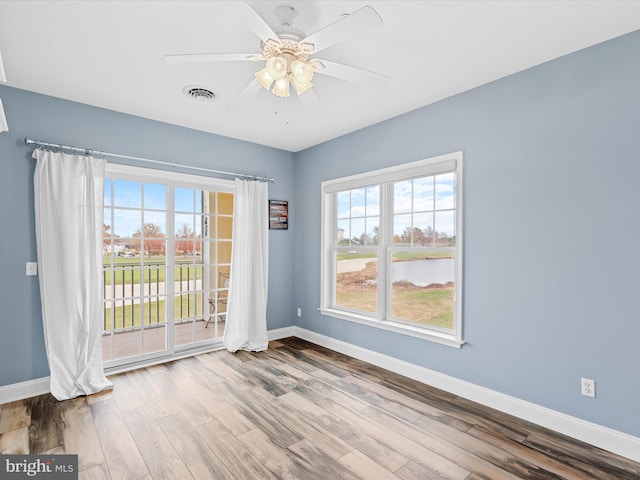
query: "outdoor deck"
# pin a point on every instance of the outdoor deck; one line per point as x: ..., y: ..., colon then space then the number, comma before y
x: 127, y: 344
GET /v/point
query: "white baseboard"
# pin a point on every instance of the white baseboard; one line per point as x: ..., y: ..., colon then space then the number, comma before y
x: 22, y: 390
x: 606, y: 438
x: 282, y: 333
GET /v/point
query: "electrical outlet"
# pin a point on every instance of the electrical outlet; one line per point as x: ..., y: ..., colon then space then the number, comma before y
x: 32, y: 268
x: 299, y: 312
x: 588, y: 387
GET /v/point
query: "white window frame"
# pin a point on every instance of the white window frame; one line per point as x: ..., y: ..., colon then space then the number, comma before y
x: 451, y: 162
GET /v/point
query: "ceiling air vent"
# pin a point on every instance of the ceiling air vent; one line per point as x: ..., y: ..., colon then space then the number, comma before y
x: 201, y: 94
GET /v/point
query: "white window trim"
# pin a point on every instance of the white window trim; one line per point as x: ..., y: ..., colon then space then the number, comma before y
x: 430, y: 166
x: 168, y: 177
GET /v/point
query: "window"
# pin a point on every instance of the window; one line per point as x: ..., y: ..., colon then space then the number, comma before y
x: 166, y: 262
x: 392, y: 248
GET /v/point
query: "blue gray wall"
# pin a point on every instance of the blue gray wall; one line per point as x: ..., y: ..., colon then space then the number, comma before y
x: 22, y: 353
x: 551, y: 219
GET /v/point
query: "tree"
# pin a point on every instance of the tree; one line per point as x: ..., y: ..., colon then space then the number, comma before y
x: 152, y: 238
x: 106, y: 234
x: 416, y: 237
x: 376, y: 235
x: 184, y: 240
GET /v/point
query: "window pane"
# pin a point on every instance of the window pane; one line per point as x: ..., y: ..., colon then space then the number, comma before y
x: 107, y: 192
x: 184, y: 225
x: 344, y: 232
x: 357, y: 281
x: 445, y: 191
x: 445, y: 228
x: 423, y: 194
x: 155, y: 196
x: 225, y: 227
x: 224, y: 252
x: 225, y: 203
x: 184, y: 244
x: 153, y: 281
x: 358, y: 202
x: 402, y: 229
x: 151, y: 246
x: 422, y: 289
x: 402, y: 194
x: 373, y: 201
x: 344, y: 204
x: 373, y: 231
x: 127, y: 194
x: 184, y: 198
x: 357, y: 231
x: 198, y: 199
x: 106, y: 224
x: 423, y: 229
x: 155, y: 224
x: 126, y: 222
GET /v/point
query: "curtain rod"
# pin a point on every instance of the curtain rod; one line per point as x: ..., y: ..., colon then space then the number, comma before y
x: 90, y: 151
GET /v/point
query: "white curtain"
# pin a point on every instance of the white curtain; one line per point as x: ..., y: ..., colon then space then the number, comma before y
x: 68, y: 208
x: 246, y: 326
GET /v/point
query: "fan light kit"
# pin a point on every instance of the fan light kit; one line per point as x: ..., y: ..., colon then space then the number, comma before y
x: 286, y: 58
x: 287, y: 52
x: 286, y: 66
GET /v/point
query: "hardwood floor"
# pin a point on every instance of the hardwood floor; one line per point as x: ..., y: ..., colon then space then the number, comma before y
x: 296, y: 411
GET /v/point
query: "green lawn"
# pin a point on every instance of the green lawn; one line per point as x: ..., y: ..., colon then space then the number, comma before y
x: 154, y: 312
x: 357, y: 290
x: 419, y: 255
x: 432, y: 307
x: 128, y: 270
x: 352, y: 256
x: 397, y: 256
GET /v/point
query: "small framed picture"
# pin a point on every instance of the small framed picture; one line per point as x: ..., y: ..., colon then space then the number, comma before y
x: 278, y: 214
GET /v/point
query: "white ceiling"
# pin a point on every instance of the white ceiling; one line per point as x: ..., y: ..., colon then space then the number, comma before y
x: 111, y: 54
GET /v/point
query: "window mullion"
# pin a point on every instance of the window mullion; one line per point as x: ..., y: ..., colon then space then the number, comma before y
x: 386, y: 240
x: 170, y: 268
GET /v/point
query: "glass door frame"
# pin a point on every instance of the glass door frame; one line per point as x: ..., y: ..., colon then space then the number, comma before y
x: 171, y: 180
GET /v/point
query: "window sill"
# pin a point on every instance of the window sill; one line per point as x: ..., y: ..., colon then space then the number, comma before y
x: 436, y: 337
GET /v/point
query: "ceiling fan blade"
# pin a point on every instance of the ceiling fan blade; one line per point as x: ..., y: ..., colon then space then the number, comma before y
x: 353, y: 74
x: 309, y: 101
x: 245, y: 95
x: 252, y: 20
x: 3, y: 76
x: 211, y: 57
x: 345, y: 27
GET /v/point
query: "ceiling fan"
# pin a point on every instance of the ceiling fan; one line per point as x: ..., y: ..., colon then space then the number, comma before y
x: 289, y: 55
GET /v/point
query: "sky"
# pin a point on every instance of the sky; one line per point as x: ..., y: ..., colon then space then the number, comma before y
x: 129, y: 204
x: 418, y: 203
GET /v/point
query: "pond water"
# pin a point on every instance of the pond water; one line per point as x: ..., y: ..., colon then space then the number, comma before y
x: 424, y: 272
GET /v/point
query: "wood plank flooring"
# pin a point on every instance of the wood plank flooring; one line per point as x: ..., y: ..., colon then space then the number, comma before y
x: 296, y: 411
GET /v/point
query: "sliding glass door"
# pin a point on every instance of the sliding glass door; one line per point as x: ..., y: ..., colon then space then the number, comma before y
x: 135, y: 268
x: 203, y: 222
x: 166, y: 263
